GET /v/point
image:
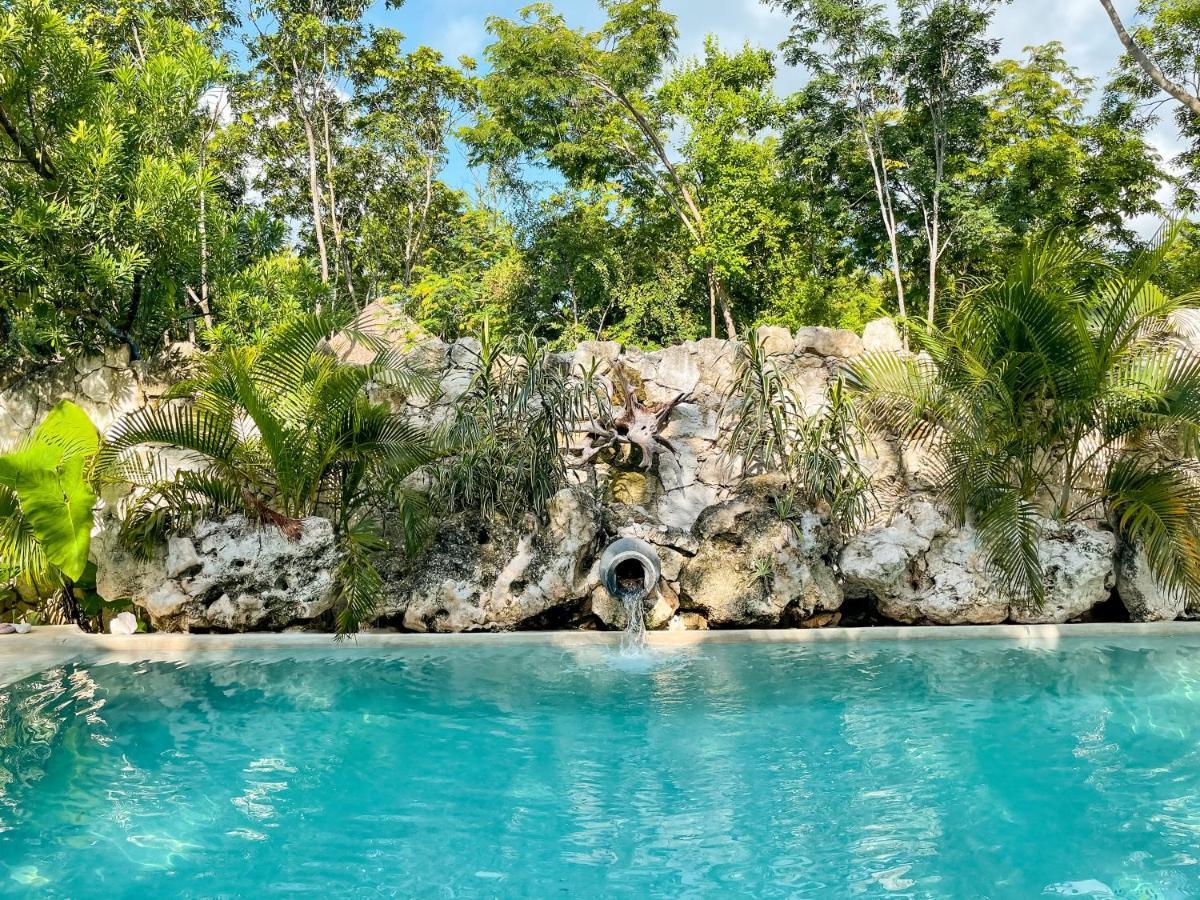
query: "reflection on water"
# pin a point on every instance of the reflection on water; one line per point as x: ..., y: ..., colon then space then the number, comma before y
x: 956, y: 770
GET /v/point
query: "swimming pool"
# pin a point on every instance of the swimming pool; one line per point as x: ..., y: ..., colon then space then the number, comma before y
x: 942, y: 769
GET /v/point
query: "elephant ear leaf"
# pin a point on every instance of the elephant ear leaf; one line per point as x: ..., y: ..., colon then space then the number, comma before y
x: 47, y: 474
x: 68, y: 429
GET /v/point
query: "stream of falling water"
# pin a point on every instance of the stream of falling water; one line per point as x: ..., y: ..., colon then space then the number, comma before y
x: 634, y: 639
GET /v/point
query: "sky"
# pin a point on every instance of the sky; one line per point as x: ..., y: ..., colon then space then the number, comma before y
x: 458, y: 27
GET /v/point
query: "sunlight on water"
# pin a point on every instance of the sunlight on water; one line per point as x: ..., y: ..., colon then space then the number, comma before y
x: 958, y: 770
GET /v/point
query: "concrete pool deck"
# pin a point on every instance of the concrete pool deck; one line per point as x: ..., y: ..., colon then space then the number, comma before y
x: 22, y: 655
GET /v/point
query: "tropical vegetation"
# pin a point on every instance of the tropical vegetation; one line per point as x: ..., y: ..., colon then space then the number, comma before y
x: 277, y: 432
x: 46, y: 500
x: 1053, y: 394
x: 249, y: 179
x: 206, y: 172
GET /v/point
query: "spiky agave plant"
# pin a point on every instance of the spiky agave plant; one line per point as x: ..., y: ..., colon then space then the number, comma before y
x: 509, y: 429
x: 1056, y: 394
x: 817, y: 453
x: 278, y: 432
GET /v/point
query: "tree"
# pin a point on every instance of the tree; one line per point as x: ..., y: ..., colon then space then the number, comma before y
x: 847, y: 45
x: 1171, y: 14
x: 585, y: 104
x: 1045, y: 163
x: 99, y: 178
x: 1162, y: 54
x: 942, y: 61
x: 407, y: 104
x: 300, y: 53
x: 723, y: 104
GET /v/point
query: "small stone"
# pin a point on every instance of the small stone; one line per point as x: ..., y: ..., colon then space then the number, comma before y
x: 775, y: 340
x: 822, y: 341
x: 688, y: 621
x: 821, y: 620
x: 882, y: 336
x: 6, y: 628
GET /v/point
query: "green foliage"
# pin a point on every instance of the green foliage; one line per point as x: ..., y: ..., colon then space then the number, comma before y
x: 838, y: 301
x: 99, y: 181
x: 1046, y: 164
x: 46, y: 500
x: 816, y: 451
x: 278, y: 432
x: 1169, y: 32
x: 1050, y: 396
x: 472, y: 277
x: 269, y: 292
x: 509, y: 430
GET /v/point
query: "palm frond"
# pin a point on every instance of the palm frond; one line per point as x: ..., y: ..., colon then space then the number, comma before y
x: 360, y: 587
x: 1155, y: 507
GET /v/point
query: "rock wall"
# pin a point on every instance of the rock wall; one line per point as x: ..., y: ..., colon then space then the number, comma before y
x: 728, y: 559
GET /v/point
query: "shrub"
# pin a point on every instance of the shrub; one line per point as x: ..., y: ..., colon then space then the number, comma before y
x: 817, y: 453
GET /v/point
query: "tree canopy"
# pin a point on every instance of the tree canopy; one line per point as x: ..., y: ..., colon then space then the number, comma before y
x: 197, y: 171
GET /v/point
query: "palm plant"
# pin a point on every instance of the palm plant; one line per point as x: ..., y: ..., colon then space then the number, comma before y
x: 817, y: 452
x: 1056, y: 394
x: 279, y: 432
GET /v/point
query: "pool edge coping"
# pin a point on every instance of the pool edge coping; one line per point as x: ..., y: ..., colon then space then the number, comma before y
x: 70, y: 637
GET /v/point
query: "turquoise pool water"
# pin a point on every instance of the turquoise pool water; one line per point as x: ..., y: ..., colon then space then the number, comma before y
x: 947, y: 769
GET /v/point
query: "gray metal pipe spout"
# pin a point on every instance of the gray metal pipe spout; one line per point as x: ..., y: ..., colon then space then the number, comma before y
x: 629, y: 569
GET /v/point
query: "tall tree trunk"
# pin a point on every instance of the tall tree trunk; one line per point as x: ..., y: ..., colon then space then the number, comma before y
x: 712, y: 302
x: 202, y: 227
x: 334, y: 221
x: 314, y: 192
x: 935, y: 253
x: 314, y: 189
x: 718, y: 300
x: 1157, y: 75
x: 883, y: 195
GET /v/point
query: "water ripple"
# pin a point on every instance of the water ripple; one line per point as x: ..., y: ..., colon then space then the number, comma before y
x: 960, y: 770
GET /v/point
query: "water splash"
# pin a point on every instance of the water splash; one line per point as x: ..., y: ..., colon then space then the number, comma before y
x: 633, y: 640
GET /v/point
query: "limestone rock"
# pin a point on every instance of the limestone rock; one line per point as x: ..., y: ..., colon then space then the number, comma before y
x: 775, y: 340
x: 875, y: 562
x: 716, y: 360
x: 1077, y: 572
x: 754, y: 569
x: 837, y: 342
x: 384, y: 324
x: 881, y: 336
x: 230, y: 574
x: 1140, y: 593
x: 182, y: 557
x: 658, y: 607
x: 687, y: 621
x: 676, y: 371
x: 498, y: 576
x: 680, y: 508
x: 920, y: 569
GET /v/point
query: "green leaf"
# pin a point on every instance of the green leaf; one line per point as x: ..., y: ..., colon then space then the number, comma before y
x: 47, y: 475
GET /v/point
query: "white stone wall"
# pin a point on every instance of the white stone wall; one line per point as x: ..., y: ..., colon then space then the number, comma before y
x: 708, y: 519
